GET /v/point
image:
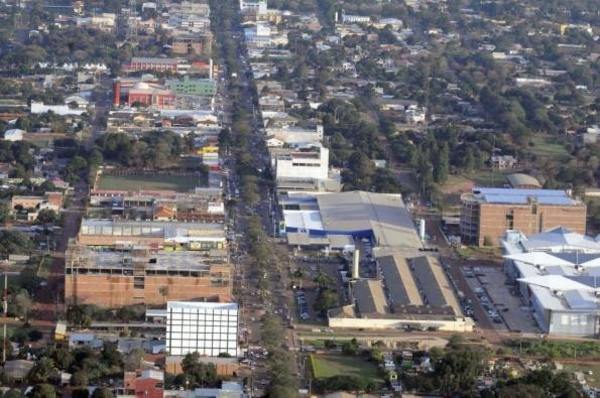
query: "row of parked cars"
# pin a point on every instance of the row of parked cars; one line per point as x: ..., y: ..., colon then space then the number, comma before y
x: 487, y: 305
x: 302, y: 305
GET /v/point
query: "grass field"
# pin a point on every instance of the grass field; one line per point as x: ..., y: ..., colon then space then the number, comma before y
x: 179, y: 183
x: 325, y: 366
x: 549, y: 147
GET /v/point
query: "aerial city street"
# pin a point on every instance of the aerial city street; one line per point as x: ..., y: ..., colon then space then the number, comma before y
x: 300, y: 198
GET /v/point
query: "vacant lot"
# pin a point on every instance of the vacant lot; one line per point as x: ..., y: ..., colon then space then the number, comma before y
x: 135, y: 182
x: 325, y: 366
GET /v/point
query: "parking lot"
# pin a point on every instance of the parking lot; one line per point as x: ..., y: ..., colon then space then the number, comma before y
x: 499, y: 299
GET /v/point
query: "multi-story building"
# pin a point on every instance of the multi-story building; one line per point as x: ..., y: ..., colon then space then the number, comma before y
x: 197, y: 87
x: 488, y: 212
x: 253, y: 6
x: 144, y: 64
x: 192, y: 44
x: 126, y: 275
x: 303, y: 162
x: 145, y: 94
x: 210, y: 329
x: 161, y: 234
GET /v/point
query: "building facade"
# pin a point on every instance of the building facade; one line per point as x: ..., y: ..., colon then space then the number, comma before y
x: 488, y: 212
x: 209, y: 329
x: 556, y: 275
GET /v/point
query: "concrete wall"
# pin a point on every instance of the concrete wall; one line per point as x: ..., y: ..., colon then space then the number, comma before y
x: 457, y: 325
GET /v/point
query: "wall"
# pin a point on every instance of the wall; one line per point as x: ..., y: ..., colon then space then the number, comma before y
x: 529, y: 219
x: 115, y: 291
x: 458, y: 325
x: 573, y: 324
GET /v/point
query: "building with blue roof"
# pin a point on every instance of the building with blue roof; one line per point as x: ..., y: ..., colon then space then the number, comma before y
x: 488, y: 212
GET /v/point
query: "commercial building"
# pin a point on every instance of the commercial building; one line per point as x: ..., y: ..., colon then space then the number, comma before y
x: 488, y: 212
x: 409, y: 289
x: 229, y: 389
x: 209, y: 329
x: 145, y: 94
x: 303, y: 162
x: 379, y: 217
x: 168, y: 235
x: 188, y: 86
x: 149, y: 64
x: 557, y: 274
x: 253, y: 6
x: 412, y: 292
x: 192, y: 44
x: 126, y: 275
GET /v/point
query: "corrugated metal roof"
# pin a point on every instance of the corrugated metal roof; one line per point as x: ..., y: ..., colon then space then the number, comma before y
x: 399, y: 281
x: 524, y: 196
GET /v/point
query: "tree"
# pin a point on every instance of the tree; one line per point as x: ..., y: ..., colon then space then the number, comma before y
x: 22, y: 304
x: 133, y: 360
x: 43, y: 391
x: 46, y: 216
x: 198, y: 374
x: 457, y: 370
x: 79, y: 315
x: 80, y: 379
x: 102, y: 392
x: 4, y: 212
x: 13, y: 393
x: 42, y: 371
x: 350, y: 347
x: 326, y: 299
x: 441, y: 164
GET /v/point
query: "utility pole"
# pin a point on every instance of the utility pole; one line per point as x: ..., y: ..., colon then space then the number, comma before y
x: 5, y: 307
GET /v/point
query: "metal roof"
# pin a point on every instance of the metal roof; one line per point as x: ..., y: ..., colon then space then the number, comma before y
x: 520, y: 179
x: 399, y: 281
x: 433, y: 283
x: 524, y: 196
x: 358, y: 211
x: 370, y: 298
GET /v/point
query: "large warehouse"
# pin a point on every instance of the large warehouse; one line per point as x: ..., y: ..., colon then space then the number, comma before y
x: 324, y: 219
x: 410, y: 288
x: 557, y: 273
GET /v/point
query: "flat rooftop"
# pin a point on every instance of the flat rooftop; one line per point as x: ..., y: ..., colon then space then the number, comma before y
x: 524, y: 196
x: 170, y: 231
x: 84, y: 257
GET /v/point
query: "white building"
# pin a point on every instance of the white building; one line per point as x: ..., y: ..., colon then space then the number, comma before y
x: 62, y: 110
x: 209, y: 329
x: 279, y: 136
x: 557, y: 273
x: 304, y: 162
x: 253, y: 6
x: 13, y: 135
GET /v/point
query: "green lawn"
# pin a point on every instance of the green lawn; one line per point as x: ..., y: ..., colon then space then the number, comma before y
x: 549, y: 147
x: 488, y: 178
x: 179, y: 183
x: 325, y: 366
